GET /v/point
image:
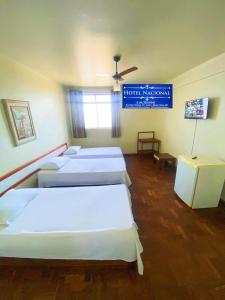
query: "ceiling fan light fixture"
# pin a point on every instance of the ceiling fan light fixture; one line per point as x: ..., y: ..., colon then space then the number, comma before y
x: 116, y: 86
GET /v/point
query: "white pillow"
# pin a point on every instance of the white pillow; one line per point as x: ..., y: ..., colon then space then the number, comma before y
x: 13, y: 203
x: 55, y: 163
x: 72, y: 150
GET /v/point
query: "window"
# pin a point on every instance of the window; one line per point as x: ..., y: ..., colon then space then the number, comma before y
x: 97, y: 110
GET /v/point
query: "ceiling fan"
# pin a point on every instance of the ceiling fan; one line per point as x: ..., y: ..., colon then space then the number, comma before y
x: 118, y: 76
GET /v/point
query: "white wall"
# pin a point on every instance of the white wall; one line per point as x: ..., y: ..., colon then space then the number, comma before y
x: 206, y: 80
x: 46, y: 99
x: 175, y: 132
x: 132, y: 121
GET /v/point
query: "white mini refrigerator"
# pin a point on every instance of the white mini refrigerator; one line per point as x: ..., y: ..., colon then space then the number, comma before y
x: 199, y: 182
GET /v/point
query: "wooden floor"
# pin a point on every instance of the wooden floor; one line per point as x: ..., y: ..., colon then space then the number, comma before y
x: 184, y: 252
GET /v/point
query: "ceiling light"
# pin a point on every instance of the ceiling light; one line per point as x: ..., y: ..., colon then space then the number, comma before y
x: 116, y: 87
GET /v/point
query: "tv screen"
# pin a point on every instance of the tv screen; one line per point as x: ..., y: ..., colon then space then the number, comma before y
x: 196, y: 109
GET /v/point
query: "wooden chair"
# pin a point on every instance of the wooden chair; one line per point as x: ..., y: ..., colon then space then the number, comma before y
x: 147, y: 137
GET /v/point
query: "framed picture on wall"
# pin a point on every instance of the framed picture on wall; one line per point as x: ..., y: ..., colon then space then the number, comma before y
x: 20, y: 121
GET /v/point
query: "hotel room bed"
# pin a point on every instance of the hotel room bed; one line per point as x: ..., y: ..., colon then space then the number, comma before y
x: 98, y: 152
x: 87, y: 223
x: 86, y: 172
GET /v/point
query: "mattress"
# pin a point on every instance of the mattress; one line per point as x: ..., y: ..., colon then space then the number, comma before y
x: 75, y: 223
x: 79, y: 172
x: 99, y: 152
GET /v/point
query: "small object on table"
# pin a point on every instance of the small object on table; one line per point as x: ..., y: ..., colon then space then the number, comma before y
x: 147, y: 137
x: 162, y: 158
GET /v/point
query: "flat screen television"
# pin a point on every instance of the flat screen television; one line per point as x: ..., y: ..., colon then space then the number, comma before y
x: 196, y: 109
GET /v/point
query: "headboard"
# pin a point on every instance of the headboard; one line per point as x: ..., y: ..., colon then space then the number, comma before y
x: 16, y: 176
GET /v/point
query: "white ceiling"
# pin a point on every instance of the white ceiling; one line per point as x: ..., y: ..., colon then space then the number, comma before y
x: 72, y: 41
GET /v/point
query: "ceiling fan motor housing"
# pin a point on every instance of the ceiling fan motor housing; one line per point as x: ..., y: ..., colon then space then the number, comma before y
x: 117, y: 76
x: 117, y: 58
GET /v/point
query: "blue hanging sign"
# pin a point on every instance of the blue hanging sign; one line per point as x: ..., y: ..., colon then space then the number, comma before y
x: 147, y: 95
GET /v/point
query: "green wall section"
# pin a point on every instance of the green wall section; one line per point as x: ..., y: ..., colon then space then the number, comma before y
x: 47, y: 104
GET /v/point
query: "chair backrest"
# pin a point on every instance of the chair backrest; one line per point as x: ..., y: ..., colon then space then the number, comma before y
x: 145, y: 135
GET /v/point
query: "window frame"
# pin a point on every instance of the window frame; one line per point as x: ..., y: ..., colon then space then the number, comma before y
x: 93, y: 93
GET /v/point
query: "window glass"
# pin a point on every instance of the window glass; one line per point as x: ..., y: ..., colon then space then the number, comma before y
x: 103, y: 98
x: 97, y: 110
x: 104, y: 115
x: 88, y: 98
x: 90, y: 116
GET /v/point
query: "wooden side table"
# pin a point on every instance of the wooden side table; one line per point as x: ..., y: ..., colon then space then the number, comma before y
x: 150, y: 140
x: 162, y: 158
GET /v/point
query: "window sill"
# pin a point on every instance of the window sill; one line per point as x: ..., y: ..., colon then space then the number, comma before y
x: 99, y: 128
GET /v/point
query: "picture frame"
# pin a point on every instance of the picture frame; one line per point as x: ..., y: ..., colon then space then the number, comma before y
x: 20, y: 121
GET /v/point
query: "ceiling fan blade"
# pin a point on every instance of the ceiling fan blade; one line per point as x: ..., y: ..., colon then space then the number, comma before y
x: 128, y: 71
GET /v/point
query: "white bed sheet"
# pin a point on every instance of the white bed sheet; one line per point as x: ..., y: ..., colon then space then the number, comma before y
x: 75, y: 223
x: 98, y: 152
x: 77, y: 172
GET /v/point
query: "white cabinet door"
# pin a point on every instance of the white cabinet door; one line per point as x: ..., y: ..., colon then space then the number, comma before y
x: 186, y: 177
x: 209, y: 187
